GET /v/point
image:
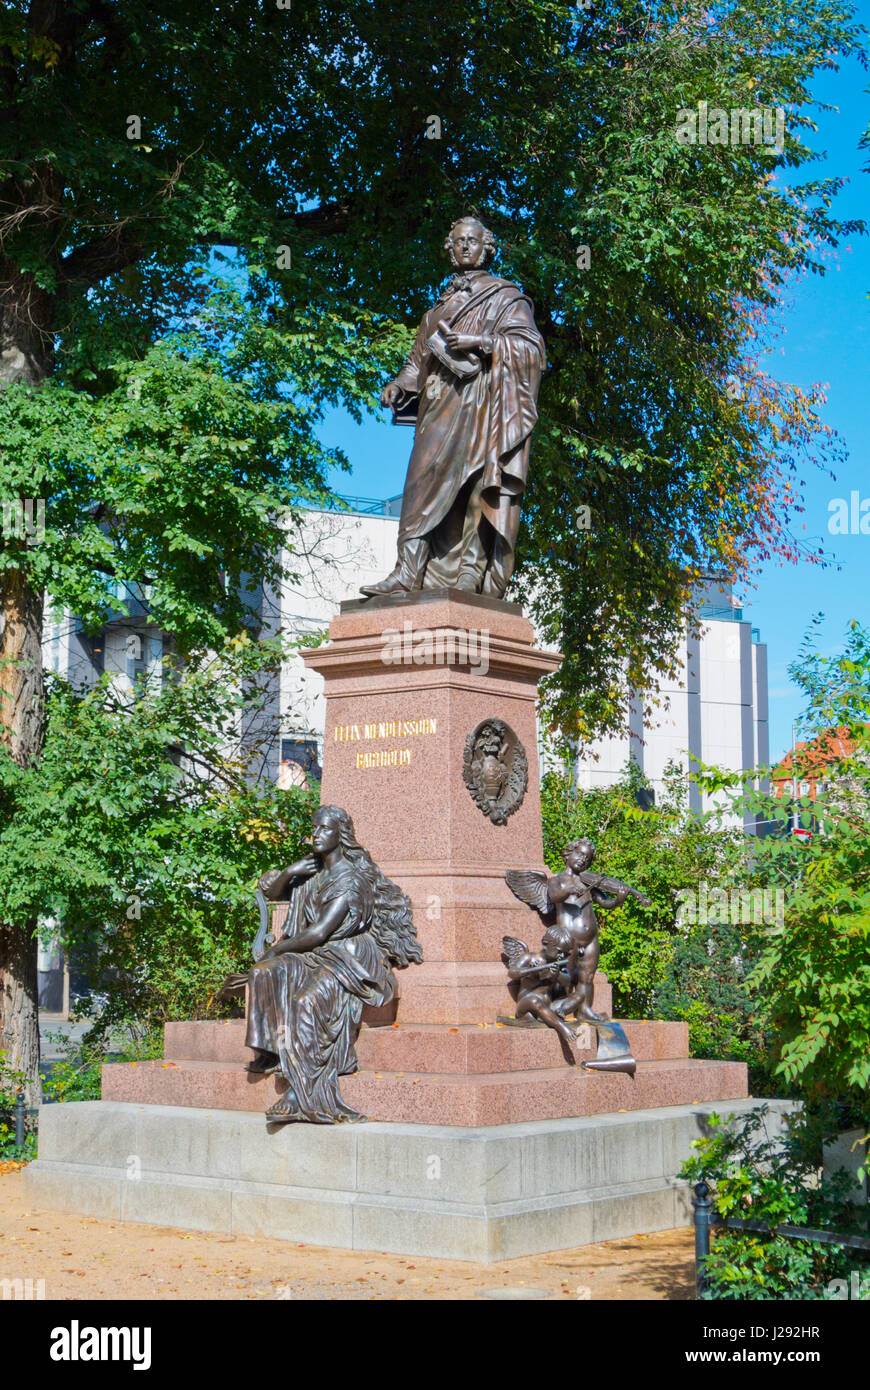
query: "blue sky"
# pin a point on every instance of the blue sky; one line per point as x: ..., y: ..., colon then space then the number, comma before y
x: 825, y: 337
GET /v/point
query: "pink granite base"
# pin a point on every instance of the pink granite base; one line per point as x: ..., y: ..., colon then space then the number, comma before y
x: 430, y: 1074
x: 463, y: 1050
x: 431, y: 1098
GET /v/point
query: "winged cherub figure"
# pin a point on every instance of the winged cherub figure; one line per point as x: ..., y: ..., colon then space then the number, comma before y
x: 571, y: 897
x: 538, y: 975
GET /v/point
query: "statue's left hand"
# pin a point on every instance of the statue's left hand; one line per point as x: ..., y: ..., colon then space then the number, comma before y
x: 467, y: 342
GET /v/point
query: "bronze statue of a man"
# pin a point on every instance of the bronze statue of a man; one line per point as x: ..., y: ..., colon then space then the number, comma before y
x: 474, y: 372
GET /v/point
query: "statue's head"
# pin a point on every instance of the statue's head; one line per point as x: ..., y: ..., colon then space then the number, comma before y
x: 579, y: 855
x: 553, y: 945
x: 330, y: 827
x: 470, y: 245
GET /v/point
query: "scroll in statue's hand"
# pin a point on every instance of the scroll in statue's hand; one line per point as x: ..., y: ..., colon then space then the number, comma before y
x: 390, y: 394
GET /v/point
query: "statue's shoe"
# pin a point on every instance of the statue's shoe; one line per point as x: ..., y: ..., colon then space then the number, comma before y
x: 391, y: 585
x: 282, y: 1114
x: 468, y: 581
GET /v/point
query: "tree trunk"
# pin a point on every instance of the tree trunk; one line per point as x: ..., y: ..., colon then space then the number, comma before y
x: 22, y: 720
x: 19, y: 1013
x: 22, y: 694
x: 25, y: 356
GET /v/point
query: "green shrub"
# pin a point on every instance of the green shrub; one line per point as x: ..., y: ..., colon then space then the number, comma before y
x: 777, y: 1182
x: 76, y: 1075
x: 705, y: 984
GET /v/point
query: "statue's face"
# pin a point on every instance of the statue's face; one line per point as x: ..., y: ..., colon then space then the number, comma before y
x: 324, y: 833
x: 468, y: 247
x: 578, y: 859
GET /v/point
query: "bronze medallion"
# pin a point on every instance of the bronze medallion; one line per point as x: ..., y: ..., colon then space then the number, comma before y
x: 495, y: 769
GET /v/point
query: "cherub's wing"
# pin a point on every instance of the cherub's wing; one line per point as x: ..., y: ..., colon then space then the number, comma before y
x: 530, y: 887
x: 513, y: 949
x: 611, y: 885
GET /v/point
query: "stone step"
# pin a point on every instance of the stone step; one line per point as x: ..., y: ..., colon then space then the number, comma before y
x: 469, y: 1194
x: 489, y: 1098
x: 420, y: 1047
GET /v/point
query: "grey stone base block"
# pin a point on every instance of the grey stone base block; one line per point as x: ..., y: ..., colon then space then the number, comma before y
x: 484, y: 1194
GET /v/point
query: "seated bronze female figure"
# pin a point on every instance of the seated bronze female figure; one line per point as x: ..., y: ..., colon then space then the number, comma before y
x: 346, y: 928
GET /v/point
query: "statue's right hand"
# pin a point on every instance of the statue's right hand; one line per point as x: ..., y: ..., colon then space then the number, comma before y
x: 308, y: 865
x: 390, y: 394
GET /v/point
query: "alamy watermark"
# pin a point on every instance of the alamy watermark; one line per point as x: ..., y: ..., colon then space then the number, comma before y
x: 857, y: 1287
x: 22, y: 1290
x: 443, y: 646
x: 741, y: 125
x: 77, y: 1343
x: 849, y: 518
x: 24, y: 519
x: 741, y: 906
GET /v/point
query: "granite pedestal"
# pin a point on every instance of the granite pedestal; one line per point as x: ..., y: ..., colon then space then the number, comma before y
x: 466, y: 1075
x: 439, y: 664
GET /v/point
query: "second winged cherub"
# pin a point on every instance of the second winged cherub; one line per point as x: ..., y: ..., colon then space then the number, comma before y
x: 559, y: 980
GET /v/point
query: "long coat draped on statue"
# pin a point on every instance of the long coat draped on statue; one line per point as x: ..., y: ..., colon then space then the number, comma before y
x: 475, y: 416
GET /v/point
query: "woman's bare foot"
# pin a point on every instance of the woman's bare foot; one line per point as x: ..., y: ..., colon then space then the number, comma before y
x: 282, y: 1112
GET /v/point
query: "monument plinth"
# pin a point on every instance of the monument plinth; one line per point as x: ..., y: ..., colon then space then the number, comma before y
x: 406, y: 683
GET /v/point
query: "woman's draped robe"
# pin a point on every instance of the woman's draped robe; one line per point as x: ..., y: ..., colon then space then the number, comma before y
x: 306, y: 1006
x: 470, y: 460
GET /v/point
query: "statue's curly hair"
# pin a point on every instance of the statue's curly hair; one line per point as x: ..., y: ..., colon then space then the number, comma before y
x: 584, y: 846
x: 392, y: 924
x: 488, y: 241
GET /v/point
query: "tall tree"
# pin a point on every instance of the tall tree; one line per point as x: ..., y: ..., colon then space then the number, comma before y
x: 330, y: 152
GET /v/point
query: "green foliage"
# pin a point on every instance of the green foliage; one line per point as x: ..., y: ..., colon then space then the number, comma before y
x: 302, y: 130
x: 144, y: 828
x: 75, y: 1075
x: 814, y: 970
x: 706, y: 985
x: 776, y: 1182
x: 661, y: 852
x: 182, y: 466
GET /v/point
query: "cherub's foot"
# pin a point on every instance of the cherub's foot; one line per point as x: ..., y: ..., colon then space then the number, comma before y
x: 263, y: 1063
x: 587, y: 1015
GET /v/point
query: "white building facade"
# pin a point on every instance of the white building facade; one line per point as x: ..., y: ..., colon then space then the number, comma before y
x: 715, y: 711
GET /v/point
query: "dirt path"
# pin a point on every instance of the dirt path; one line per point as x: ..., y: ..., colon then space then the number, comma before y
x: 83, y: 1258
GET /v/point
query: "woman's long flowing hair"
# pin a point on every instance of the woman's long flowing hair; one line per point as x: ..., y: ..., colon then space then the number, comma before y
x: 392, y: 924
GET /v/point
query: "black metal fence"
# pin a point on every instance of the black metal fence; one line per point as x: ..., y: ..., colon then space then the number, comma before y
x: 706, y: 1216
